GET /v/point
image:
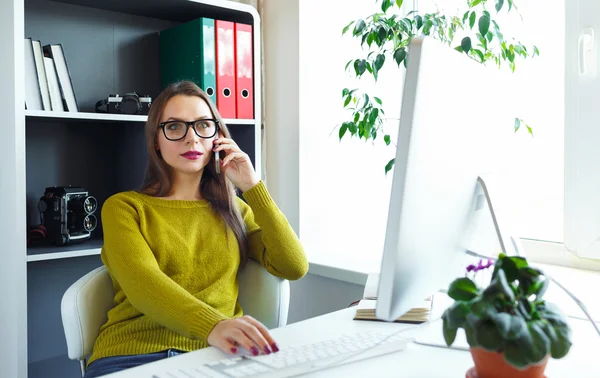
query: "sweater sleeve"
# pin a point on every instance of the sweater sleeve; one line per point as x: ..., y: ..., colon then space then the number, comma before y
x: 132, y: 264
x: 271, y: 240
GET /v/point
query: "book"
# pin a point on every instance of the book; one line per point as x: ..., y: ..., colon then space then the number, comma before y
x: 41, y: 73
x: 63, y: 75
x: 53, y: 86
x: 33, y: 97
x: 365, y: 310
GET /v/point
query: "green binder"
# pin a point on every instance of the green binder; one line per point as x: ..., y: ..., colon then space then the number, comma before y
x: 187, y: 52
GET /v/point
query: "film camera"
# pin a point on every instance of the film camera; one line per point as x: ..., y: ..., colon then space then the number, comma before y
x: 67, y: 213
x: 129, y: 103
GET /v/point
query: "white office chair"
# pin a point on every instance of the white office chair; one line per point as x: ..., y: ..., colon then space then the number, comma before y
x: 86, y: 303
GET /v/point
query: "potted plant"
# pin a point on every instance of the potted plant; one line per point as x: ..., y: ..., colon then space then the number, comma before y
x: 511, y: 330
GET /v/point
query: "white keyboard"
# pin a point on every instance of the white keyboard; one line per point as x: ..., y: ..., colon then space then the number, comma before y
x: 300, y: 359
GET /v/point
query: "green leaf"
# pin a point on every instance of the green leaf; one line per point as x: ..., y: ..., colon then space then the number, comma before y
x: 513, y: 355
x: 541, y: 343
x: 459, y: 49
x: 399, y: 55
x: 360, y: 65
x: 490, y: 36
x: 347, y: 27
x: 472, y: 19
x: 539, y: 288
x: 348, y: 99
x: 387, y: 140
x: 379, y: 61
x: 347, y: 64
x: 389, y: 165
x: 449, y: 333
x: 427, y: 27
x: 510, y: 265
x: 517, y: 124
x: 462, y: 289
x: 356, y: 118
x: 364, y: 38
x: 479, y: 54
x: 352, y: 127
x: 466, y: 44
x: 359, y: 27
x: 484, y: 25
x: 509, y: 326
x: 561, y: 344
x: 499, y: 4
x: 377, y: 100
x: 382, y: 34
x: 499, y: 288
x: 343, y: 130
x: 407, y: 24
x: 536, y: 51
x: 345, y: 92
x: 370, y: 38
x: 399, y: 3
x: 510, y: 5
x: 419, y: 21
x: 488, y: 337
x: 456, y: 314
x: 475, y: 3
x: 483, y: 308
x: 470, y: 333
x: 385, y: 5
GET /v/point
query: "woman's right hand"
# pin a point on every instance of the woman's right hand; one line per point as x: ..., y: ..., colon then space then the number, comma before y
x: 245, y: 332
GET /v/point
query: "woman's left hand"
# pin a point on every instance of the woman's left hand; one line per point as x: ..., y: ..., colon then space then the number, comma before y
x: 236, y: 165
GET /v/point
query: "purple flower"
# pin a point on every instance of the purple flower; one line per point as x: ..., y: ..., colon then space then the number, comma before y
x: 479, y: 266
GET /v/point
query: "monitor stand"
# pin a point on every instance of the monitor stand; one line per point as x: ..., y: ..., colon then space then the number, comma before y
x: 489, y: 222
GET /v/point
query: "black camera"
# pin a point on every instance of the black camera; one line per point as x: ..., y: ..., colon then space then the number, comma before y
x: 67, y: 213
x: 129, y: 103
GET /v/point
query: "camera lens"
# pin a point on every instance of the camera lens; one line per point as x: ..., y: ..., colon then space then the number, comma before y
x: 83, y: 204
x: 90, y: 222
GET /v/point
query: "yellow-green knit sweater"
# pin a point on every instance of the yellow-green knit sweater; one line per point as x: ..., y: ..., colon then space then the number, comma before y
x: 174, y: 266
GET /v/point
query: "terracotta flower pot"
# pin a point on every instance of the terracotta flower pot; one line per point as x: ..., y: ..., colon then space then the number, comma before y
x: 492, y: 365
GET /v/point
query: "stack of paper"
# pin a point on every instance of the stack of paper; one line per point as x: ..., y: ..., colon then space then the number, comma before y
x: 365, y: 310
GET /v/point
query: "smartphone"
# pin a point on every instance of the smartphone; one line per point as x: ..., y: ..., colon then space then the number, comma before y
x: 217, y: 163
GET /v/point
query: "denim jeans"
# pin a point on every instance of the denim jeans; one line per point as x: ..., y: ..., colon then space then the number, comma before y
x: 107, y: 365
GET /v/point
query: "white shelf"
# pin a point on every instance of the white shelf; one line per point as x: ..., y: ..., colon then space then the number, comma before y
x: 85, y: 116
x: 44, y: 114
x: 44, y: 253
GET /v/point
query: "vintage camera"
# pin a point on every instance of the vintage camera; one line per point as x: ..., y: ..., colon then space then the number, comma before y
x: 129, y: 103
x: 67, y: 213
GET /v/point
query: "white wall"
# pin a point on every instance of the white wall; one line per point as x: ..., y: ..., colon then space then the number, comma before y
x: 280, y: 23
x: 315, y: 295
x: 13, y: 291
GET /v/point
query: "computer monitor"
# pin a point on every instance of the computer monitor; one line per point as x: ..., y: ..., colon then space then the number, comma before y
x: 455, y: 119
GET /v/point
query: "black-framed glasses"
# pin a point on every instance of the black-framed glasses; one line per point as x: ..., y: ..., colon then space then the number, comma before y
x: 177, y: 130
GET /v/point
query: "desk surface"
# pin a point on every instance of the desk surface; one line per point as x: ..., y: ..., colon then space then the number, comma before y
x: 416, y: 361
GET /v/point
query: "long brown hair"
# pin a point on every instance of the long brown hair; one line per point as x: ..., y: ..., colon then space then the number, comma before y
x: 218, y: 191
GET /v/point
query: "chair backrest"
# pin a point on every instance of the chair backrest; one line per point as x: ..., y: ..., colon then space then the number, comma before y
x: 85, y: 304
x: 84, y: 309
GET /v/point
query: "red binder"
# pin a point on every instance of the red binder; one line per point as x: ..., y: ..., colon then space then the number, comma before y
x: 224, y: 38
x: 243, y: 66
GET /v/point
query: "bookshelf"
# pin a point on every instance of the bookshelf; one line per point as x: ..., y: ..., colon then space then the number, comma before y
x: 111, y: 46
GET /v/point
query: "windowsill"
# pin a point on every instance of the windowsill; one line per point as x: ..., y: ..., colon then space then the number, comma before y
x: 583, y: 283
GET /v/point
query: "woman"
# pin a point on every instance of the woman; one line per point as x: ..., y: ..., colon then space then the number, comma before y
x: 173, y: 249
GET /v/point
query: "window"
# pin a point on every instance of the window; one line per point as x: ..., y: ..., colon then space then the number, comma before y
x: 558, y: 197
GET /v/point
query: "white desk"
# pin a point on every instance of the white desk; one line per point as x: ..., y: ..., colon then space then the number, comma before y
x: 415, y: 361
